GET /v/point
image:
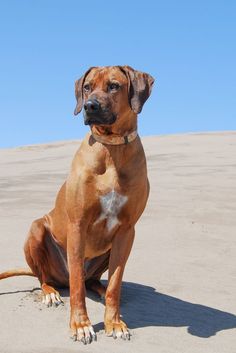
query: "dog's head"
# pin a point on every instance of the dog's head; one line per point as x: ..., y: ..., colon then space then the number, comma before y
x: 108, y: 93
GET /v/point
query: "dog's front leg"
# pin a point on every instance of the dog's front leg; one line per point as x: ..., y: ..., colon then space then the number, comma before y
x: 120, y: 251
x: 79, y: 321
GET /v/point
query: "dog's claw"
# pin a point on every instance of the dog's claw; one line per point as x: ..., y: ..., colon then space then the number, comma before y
x: 127, y: 336
x: 83, y: 340
x: 88, y: 340
x: 92, y: 333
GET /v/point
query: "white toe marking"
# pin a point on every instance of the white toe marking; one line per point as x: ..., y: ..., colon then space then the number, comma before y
x: 111, y: 205
x: 86, y: 331
x: 80, y: 333
x: 53, y: 297
x: 47, y: 299
x: 91, y: 330
x: 58, y: 298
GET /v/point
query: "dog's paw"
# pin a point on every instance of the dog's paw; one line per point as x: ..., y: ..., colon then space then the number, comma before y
x: 83, y: 333
x: 117, y: 330
x: 52, y: 299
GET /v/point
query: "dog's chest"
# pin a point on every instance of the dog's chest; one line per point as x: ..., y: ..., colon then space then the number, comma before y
x: 111, y: 205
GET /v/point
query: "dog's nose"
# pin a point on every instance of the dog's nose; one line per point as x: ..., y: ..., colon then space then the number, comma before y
x: 92, y: 106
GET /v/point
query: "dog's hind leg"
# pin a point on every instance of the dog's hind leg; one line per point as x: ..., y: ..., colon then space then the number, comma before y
x: 47, y: 261
x: 94, y: 269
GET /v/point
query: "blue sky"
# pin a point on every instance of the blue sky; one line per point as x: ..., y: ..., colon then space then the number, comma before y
x: 188, y: 46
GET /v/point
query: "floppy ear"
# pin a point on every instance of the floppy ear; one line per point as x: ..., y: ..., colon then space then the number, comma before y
x: 140, y: 87
x: 79, y: 92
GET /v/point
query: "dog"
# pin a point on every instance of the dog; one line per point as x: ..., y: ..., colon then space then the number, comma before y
x: 92, y: 226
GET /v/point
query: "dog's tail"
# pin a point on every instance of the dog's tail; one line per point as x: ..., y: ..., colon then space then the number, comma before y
x: 17, y: 272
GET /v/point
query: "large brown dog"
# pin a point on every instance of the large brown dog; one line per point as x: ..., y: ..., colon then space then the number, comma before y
x: 91, y: 228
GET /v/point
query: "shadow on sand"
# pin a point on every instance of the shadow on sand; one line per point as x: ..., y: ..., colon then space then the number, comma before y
x: 142, y: 306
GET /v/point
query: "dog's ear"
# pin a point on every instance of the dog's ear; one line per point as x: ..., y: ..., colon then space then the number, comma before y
x: 79, y: 91
x: 139, y: 86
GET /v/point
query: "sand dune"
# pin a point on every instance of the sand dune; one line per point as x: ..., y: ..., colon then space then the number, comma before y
x: 179, y: 289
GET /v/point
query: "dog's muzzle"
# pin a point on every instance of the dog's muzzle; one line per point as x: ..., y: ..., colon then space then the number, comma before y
x: 94, y: 114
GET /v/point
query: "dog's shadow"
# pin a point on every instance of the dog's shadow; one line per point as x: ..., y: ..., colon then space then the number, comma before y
x: 142, y: 306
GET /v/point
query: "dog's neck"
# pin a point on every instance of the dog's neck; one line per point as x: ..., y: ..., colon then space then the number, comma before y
x: 120, y: 133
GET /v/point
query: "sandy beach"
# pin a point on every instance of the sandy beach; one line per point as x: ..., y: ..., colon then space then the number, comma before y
x: 179, y: 286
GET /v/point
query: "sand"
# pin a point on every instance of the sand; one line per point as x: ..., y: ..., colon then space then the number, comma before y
x: 179, y: 286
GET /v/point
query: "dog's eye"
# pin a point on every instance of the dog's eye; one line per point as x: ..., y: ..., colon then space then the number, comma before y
x: 86, y: 87
x: 114, y: 86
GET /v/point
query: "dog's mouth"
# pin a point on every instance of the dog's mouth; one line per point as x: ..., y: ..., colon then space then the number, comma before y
x: 99, y: 118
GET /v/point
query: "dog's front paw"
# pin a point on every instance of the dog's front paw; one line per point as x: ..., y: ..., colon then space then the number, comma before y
x: 117, y: 330
x: 82, y: 331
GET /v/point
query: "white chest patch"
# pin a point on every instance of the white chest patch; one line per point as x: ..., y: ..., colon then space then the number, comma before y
x: 111, y: 205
